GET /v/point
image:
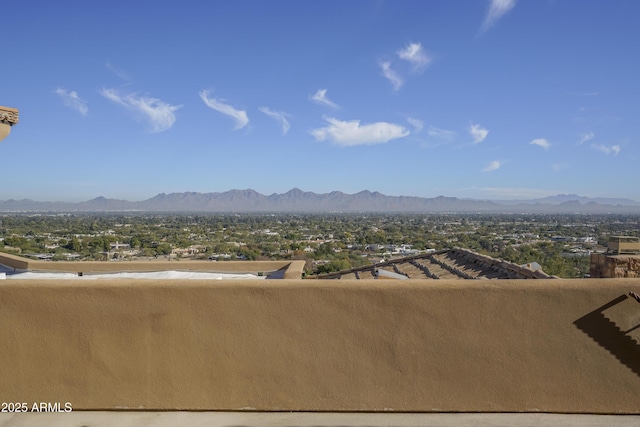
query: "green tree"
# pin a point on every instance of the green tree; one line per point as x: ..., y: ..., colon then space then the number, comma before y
x: 74, y: 245
x: 163, y: 248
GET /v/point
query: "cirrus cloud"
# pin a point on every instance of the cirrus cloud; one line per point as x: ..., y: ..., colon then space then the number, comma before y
x: 615, y: 149
x: 279, y: 117
x: 157, y: 113
x: 415, y: 55
x: 121, y: 74
x: 586, y: 137
x: 239, y: 116
x: 541, y: 142
x: 72, y: 100
x: 389, y: 74
x: 417, y: 124
x: 478, y: 133
x: 494, y: 165
x: 320, y: 97
x: 445, y: 134
x: 351, y: 133
x: 497, y: 9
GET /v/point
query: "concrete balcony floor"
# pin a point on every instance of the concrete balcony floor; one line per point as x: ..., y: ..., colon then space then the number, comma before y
x: 315, y: 419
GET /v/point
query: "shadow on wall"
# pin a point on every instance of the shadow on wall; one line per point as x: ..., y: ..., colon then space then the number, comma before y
x: 613, y: 335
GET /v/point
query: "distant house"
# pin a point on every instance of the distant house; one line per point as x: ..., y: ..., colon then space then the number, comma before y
x: 533, y: 266
x: 588, y: 239
x: 191, y: 250
x: 41, y: 257
x: 119, y: 246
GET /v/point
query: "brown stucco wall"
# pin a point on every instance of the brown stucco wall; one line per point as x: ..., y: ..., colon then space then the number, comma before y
x: 14, y: 261
x: 366, y: 345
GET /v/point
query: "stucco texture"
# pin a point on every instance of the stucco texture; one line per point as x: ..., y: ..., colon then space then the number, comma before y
x: 445, y: 346
x: 5, y: 130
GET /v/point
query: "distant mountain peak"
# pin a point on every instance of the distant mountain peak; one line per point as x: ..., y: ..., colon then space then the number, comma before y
x: 297, y: 200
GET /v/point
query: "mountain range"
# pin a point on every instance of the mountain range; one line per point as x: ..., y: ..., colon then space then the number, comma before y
x: 296, y: 200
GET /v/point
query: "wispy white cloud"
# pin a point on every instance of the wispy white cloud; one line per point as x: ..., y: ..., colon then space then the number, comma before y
x: 121, y: 74
x: 415, y: 55
x: 541, y: 142
x: 615, y: 149
x: 478, y: 132
x: 497, y: 9
x: 559, y: 166
x: 392, y: 76
x: 279, y: 117
x: 494, y: 165
x: 350, y: 133
x: 72, y: 100
x: 586, y: 137
x: 159, y: 114
x: 320, y: 97
x: 239, y: 116
x: 435, y: 132
x: 417, y: 124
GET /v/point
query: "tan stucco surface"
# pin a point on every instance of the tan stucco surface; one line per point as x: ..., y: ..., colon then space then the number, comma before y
x: 490, y: 346
x: 4, y: 131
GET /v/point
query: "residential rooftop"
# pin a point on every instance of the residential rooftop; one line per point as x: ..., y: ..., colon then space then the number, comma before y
x: 13, y: 265
x: 447, y: 264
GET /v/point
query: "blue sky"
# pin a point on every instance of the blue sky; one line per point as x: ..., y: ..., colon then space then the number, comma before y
x: 488, y: 99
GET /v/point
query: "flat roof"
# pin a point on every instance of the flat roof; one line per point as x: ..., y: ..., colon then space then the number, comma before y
x: 153, y: 269
x: 11, y: 274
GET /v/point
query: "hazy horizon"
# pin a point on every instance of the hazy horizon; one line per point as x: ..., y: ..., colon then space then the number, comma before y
x: 75, y: 199
x: 505, y: 200
x: 489, y: 100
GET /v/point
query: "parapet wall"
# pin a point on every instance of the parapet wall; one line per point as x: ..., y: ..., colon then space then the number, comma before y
x: 322, y: 345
